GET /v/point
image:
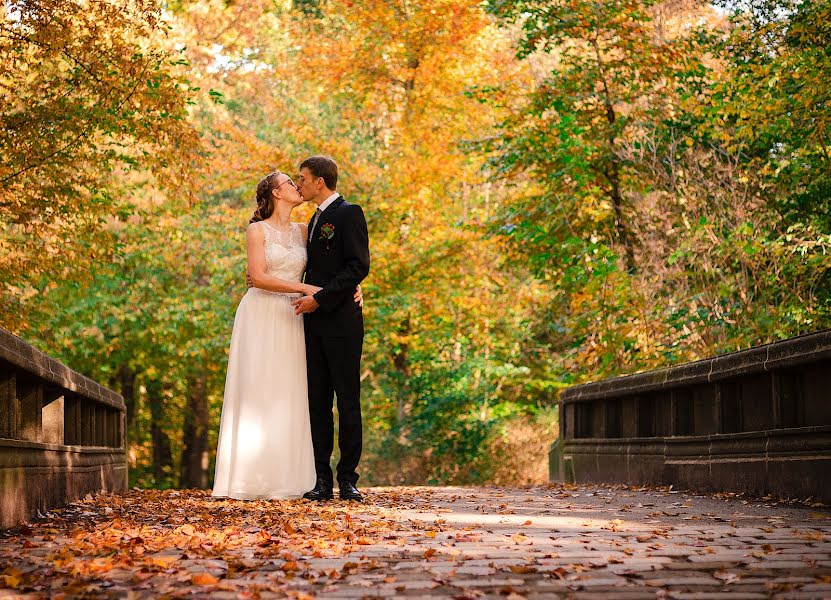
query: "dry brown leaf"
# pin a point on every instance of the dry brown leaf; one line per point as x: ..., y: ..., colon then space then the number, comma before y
x: 726, y: 576
x: 522, y: 569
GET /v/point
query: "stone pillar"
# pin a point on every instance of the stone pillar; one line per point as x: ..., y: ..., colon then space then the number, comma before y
x: 30, y: 410
x: 8, y: 404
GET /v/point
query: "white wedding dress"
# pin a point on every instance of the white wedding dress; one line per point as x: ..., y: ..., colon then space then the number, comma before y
x: 265, y: 441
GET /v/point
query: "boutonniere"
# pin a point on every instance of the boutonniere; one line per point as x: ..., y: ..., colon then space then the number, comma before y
x: 327, y: 232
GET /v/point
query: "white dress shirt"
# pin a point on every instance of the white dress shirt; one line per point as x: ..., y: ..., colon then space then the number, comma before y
x: 326, y: 203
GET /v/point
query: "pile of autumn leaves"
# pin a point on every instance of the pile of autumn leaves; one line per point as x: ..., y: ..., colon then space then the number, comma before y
x: 144, y: 540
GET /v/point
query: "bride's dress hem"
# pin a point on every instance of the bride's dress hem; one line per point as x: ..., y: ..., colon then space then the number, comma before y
x: 240, y: 496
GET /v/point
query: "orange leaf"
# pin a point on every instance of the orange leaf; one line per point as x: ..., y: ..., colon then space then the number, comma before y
x: 203, y: 579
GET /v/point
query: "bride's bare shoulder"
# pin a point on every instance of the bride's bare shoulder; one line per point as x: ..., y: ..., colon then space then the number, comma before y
x: 254, y: 229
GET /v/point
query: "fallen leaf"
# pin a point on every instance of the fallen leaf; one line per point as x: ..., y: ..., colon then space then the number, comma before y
x: 522, y: 569
x: 203, y: 579
x: 726, y: 576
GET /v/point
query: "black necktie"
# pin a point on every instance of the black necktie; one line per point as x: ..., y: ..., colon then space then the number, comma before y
x: 314, y: 223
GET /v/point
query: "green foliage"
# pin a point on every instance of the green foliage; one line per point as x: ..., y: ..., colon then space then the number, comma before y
x: 679, y: 202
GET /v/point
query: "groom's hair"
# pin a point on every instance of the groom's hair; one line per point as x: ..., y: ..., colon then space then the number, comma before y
x: 323, y: 166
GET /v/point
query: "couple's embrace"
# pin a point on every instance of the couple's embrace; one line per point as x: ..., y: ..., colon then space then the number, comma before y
x: 296, y: 344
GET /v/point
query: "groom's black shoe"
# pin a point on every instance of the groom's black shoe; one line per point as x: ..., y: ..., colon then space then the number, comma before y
x: 348, y: 491
x: 321, y: 491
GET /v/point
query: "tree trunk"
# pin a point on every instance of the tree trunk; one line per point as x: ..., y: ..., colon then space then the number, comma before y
x: 402, y: 364
x: 612, y: 170
x: 620, y: 224
x: 127, y: 381
x: 195, y: 448
x: 162, y: 456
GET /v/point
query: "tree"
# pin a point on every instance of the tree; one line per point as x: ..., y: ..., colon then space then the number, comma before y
x: 92, y: 106
x: 613, y: 77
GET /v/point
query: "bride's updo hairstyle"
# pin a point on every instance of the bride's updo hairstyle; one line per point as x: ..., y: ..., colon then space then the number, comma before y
x: 265, y: 199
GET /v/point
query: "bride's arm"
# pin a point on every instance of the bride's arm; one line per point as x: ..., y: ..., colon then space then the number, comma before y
x: 256, y: 267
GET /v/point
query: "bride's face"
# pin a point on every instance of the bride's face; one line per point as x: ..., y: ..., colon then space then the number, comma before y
x: 286, y: 190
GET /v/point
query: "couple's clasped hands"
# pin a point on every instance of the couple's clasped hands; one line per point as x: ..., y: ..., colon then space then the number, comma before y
x: 308, y: 304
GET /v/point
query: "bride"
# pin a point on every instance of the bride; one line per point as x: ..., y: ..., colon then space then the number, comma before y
x: 265, y: 441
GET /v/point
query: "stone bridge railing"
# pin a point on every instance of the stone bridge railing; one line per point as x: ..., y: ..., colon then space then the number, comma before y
x: 61, y: 434
x: 756, y: 421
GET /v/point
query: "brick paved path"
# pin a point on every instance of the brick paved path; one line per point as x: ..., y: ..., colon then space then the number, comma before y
x: 542, y: 542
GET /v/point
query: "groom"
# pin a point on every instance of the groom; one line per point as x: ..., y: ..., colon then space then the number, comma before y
x: 338, y: 260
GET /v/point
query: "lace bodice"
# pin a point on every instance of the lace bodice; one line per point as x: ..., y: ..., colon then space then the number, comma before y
x: 285, y: 253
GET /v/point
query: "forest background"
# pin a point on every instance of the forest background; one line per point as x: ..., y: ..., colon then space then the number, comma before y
x: 556, y: 192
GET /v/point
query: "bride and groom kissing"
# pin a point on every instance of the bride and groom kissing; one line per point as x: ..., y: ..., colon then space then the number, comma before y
x: 295, y: 345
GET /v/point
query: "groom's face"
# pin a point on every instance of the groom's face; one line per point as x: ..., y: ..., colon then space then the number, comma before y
x: 308, y: 185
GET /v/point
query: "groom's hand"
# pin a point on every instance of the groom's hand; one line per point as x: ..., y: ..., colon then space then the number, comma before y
x: 248, y: 281
x: 306, y: 304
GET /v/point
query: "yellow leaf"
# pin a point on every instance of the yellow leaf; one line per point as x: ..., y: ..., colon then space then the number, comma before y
x: 12, y: 580
x: 164, y: 561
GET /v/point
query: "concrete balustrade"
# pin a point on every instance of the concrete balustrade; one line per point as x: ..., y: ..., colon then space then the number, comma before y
x: 756, y: 421
x: 62, y: 435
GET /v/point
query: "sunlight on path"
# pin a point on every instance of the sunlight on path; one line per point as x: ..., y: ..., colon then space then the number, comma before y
x: 545, y: 541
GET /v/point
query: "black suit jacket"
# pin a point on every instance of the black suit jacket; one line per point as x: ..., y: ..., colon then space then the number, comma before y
x: 337, y: 264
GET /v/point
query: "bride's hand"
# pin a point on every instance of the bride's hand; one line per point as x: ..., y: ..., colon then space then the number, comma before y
x: 310, y: 290
x: 359, y: 296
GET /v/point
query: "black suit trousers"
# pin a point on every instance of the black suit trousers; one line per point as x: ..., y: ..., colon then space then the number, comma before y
x: 334, y: 369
